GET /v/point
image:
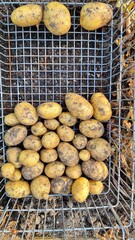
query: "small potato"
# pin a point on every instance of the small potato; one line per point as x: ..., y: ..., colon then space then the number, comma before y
x: 78, y: 106
x: 49, y: 110
x: 68, y: 154
x: 74, y: 172
x: 28, y: 158
x: 99, y: 149
x: 7, y: 170
x: 16, y: 176
x: 30, y: 173
x: 32, y: 142
x: 96, y: 187
x: 15, y: 135
x: 38, y: 129
x: 26, y: 113
x: 11, y: 120
x: 61, y: 185
x: 91, y: 128
x: 12, y: 155
x: 54, y: 169
x: 80, y: 189
x: 84, y: 155
x: 48, y: 155
x: 65, y: 133
x: 51, y: 124
x: 79, y: 141
x: 17, y: 189
x: 50, y: 140
x: 27, y: 15
x: 66, y: 118
x: 40, y: 187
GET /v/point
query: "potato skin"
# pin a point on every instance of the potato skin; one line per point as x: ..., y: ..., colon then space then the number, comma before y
x: 66, y: 118
x: 38, y: 129
x: 48, y: 155
x: 99, y: 149
x: 80, y: 189
x: 91, y: 128
x: 65, y: 133
x: 12, y: 155
x: 61, y: 185
x: 11, y: 120
x: 96, y: 187
x: 28, y: 158
x: 74, y: 172
x: 27, y: 15
x: 80, y: 141
x: 30, y: 173
x: 7, y: 170
x: 15, y: 135
x: 54, y: 169
x: 95, y: 15
x: 17, y: 189
x: 78, y: 106
x: 16, y: 175
x: 68, y: 154
x: 51, y: 124
x: 50, y: 140
x: 40, y: 187
x: 84, y: 155
x: 101, y: 106
x: 32, y: 142
x: 49, y: 110
x: 57, y: 18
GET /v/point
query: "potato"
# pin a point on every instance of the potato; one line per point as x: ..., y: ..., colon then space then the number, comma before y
x: 68, y: 154
x: 16, y: 175
x: 80, y: 189
x: 96, y: 187
x: 12, y: 155
x: 40, y: 187
x: 95, y: 15
x: 84, y: 155
x: 15, y: 135
x: 65, y: 133
x: 49, y: 110
x: 28, y: 158
x: 95, y: 170
x: 30, y: 173
x: 91, y: 128
x: 32, y: 142
x: 74, y: 172
x: 7, y: 170
x: 61, y: 185
x: 99, y: 149
x: 27, y: 15
x: 26, y: 113
x: 50, y: 140
x: 48, y: 155
x: 101, y: 106
x: 79, y: 141
x: 57, y: 18
x: 38, y: 129
x: 51, y: 124
x: 11, y: 120
x: 78, y: 106
x: 54, y: 169
x: 66, y: 118
x: 17, y: 189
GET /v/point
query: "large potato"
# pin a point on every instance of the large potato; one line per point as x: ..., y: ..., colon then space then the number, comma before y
x: 74, y: 172
x: 26, y: 113
x: 51, y: 124
x: 18, y: 189
x: 95, y: 15
x: 40, y: 187
x: 68, y: 119
x: 65, y: 133
x: 28, y: 158
x: 32, y: 142
x: 27, y: 15
x: 101, y: 106
x: 15, y: 135
x: 12, y: 155
x: 78, y: 106
x: 91, y: 128
x: 54, y: 169
x: 96, y: 187
x: 50, y: 140
x: 79, y: 141
x: 68, y: 154
x: 80, y: 189
x: 38, y: 129
x: 11, y: 120
x: 30, y: 173
x: 7, y: 170
x: 57, y: 18
x: 49, y: 110
x: 16, y: 175
x: 84, y: 155
x: 61, y: 185
x: 99, y: 149
x: 48, y: 155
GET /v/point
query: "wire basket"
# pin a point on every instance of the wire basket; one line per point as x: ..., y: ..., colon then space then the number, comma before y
x: 37, y: 66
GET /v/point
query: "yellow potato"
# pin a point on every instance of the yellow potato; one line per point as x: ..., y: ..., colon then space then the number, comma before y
x: 7, y: 170
x: 51, y: 124
x: 26, y: 113
x: 32, y: 142
x: 78, y: 106
x: 65, y: 133
x: 57, y: 18
x: 11, y: 120
x: 38, y: 129
x: 79, y: 141
x: 16, y: 175
x: 74, y: 172
x: 48, y: 155
x: 95, y: 15
x: 27, y: 15
x: 68, y: 154
x: 61, y: 185
x: 49, y: 110
x: 84, y: 155
x: 91, y: 128
x: 80, y: 189
x: 12, y: 155
x: 28, y: 158
x: 40, y: 187
x: 50, y: 140
x: 68, y: 119
x: 30, y: 173
x: 96, y: 187
x: 15, y: 135
x: 18, y: 189
x: 54, y: 169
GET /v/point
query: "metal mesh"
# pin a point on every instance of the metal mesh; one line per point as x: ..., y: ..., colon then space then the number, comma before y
x: 37, y: 66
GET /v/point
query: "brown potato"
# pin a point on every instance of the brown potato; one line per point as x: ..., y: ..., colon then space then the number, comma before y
x: 74, y: 172
x: 80, y: 189
x: 15, y: 135
x: 12, y: 155
x: 68, y: 154
x: 7, y: 170
x: 65, y: 133
x: 48, y: 155
x: 61, y: 185
x: 18, y: 189
x: 54, y: 169
x: 16, y: 175
x: 66, y: 118
x: 51, y: 124
x: 79, y: 141
x: 50, y: 140
x: 11, y: 120
x: 96, y: 187
x: 28, y: 158
x: 30, y: 173
x: 32, y: 142
x: 84, y: 155
x: 49, y: 110
x: 91, y: 128
x: 38, y: 129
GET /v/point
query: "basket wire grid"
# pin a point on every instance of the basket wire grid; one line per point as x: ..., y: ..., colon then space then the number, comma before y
x: 37, y: 66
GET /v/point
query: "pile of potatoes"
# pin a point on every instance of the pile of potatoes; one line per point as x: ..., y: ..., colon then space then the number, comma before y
x: 45, y: 155
x: 57, y: 19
